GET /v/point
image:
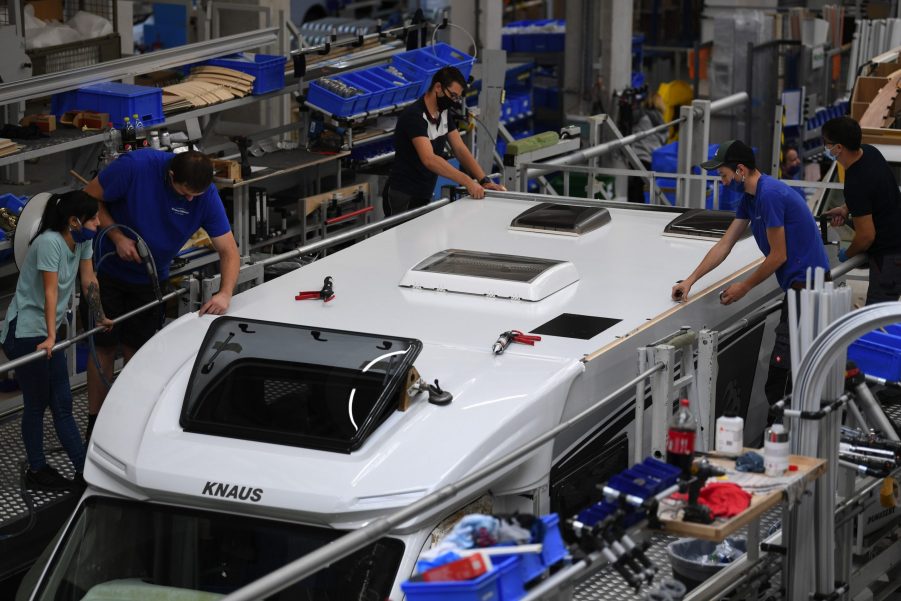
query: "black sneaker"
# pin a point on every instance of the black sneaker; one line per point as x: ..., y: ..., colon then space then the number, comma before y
x: 46, y: 478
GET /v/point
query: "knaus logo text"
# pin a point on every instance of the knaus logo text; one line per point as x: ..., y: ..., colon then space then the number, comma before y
x: 232, y: 491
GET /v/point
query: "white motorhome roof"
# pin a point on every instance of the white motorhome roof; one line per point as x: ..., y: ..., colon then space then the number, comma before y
x: 626, y: 270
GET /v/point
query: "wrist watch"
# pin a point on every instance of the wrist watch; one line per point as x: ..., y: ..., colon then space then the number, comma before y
x: 485, y: 180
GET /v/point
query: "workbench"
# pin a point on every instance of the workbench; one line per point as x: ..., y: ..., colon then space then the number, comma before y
x: 670, y: 513
x: 271, y: 172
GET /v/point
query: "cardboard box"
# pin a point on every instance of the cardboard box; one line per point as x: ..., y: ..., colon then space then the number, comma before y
x: 873, y: 135
x: 865, y: 90
x: 45, y: 123
x: 227, y: 169
x: 91, y: 120
x: 48, y: 10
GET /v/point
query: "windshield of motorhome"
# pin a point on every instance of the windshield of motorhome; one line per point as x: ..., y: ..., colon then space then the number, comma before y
x: 128, y: 550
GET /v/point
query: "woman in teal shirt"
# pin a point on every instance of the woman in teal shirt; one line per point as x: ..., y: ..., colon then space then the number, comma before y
x: 59, y: 253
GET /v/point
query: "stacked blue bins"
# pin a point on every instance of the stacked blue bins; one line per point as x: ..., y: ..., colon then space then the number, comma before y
x: 643, y: 480
x: 422, y: 64
x: 501, y: 583
x: 541, y: 35
x: 879, y: 353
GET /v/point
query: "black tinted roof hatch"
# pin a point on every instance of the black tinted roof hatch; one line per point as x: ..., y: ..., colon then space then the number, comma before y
x: 295, y: 385
x: 561, y: 219
x: 702, y: 223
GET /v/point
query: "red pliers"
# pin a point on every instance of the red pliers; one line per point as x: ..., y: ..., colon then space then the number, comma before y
x: 511, y: 336
x: 325, y: 295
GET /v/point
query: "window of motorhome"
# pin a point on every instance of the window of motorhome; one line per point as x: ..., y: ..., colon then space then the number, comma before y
x: 295, y: 385
x: 131, y: 551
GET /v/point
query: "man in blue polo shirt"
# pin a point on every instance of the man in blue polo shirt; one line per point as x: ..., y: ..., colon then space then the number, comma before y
x: 786, y: 233
x: 165, y: 198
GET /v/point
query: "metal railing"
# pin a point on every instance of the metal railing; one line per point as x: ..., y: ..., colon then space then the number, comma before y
x: 60, y: 346
x: 321, y: 558
x: 591, y: 152
x: 652, y: 176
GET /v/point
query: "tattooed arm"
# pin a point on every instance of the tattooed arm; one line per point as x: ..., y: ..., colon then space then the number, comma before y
x: 91, y: 290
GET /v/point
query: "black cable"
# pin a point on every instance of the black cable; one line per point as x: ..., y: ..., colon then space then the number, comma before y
x: 487, y: 133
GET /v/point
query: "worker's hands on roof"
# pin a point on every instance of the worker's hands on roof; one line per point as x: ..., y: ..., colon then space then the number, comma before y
x: 217, y: 305
x: 475, y: 189
x: 734, y: 293
x: 837, y: 216
x: 680, y: 290
x: 493, y: 186
x: 127, y: 249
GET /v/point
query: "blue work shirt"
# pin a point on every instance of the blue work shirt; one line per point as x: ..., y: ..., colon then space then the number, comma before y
x: 137, y: 193
x: 777, y: 205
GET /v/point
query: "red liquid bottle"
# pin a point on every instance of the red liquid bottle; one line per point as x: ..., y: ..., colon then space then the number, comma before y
x: 680, y: 439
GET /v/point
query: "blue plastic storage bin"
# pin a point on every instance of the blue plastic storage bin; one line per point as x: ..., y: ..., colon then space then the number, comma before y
x: 120, y: 100
x: 339, y: 106
x: 13, y: 203
x: 268, y: 70
x: 404, y: 89
x: 418, y: 66
x: 502, y: 583
x: 375, y: 90
x: 452, y: 57
x: 876, y: 359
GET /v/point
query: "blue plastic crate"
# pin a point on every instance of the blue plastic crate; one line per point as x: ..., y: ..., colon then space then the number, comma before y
x: 540, y: 35
x: 404, y: 89
x: 418, y: 66
x: 452, y: 57
x: 668, y: 474
x: 491, y: 586
x: 554, y: 549
x: 876, y: 359
x: 118, y: 99
x: 375, y: 90
x: 330, y: 102
x: 13, y: 203
x: 268, y: 70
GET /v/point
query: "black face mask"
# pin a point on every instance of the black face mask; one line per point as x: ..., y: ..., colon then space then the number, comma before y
x: 445, y: 103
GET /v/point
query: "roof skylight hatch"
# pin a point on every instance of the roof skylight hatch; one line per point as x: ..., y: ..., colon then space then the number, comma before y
x: 701, y: 224
x: 561, y: 219
x: 295, y: 385
x: 491, y: 274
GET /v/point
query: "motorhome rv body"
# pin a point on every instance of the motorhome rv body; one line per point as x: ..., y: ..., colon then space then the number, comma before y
x: 205, y: 474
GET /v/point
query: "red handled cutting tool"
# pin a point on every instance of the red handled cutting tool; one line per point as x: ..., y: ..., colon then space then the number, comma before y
x: 508, y: 338
x: 325, y: 295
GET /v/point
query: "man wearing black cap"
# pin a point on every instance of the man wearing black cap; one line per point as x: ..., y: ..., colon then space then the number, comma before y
x: 872, y: 197
x: 786, y: 234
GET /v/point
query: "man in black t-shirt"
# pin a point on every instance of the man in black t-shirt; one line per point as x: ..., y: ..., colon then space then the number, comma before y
x: 423, y: 131
x: 873, y: 200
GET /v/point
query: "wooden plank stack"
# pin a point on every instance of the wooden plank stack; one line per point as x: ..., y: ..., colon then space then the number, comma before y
x: 8, y: 147
x: 205, y: 86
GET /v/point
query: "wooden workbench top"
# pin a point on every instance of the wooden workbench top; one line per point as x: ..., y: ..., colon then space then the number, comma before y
x: 773, y: 490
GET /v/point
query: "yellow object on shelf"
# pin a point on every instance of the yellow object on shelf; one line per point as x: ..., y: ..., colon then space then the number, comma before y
x: 674, y: 94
